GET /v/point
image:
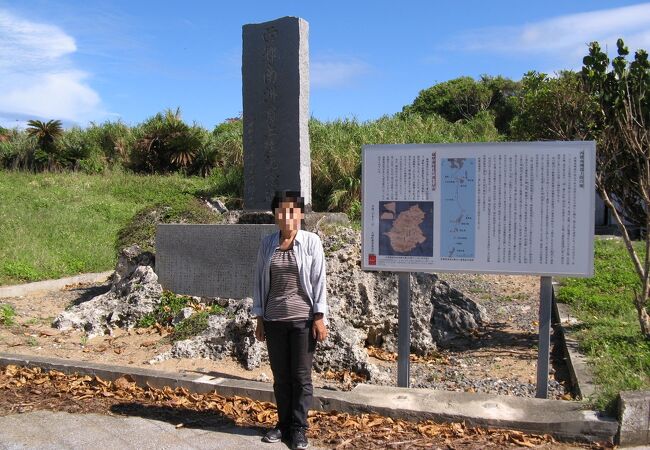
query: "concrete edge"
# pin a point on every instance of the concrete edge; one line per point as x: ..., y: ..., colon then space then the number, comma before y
x: 634, y: 417
x: 572, y: 422
x: 582, y: 376
x: 19, y: 290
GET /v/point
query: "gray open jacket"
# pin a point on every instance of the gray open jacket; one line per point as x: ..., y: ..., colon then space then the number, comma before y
x: 310, y: 258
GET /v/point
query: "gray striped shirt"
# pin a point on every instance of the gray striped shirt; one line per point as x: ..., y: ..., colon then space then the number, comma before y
x: 287, y: 299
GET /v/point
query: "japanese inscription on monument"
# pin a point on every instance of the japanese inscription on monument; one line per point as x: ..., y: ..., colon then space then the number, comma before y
x: 208, y: 260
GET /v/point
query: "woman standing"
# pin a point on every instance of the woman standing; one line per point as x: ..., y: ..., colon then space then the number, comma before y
x: 290, y: 305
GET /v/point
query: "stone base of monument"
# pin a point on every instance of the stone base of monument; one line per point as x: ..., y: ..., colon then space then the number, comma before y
x: 313, y: 220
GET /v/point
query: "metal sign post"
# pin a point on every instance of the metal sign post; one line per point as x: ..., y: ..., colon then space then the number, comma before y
x: 545, y: 294
x: 404, y: 332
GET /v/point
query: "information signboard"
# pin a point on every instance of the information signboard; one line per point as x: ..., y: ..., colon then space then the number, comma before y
x: 515, y: 208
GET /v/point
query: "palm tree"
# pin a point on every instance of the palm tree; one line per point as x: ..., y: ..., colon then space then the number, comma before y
x: 46, y: 134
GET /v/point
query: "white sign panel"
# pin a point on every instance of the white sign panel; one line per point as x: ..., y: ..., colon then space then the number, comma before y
x: 515, y: 208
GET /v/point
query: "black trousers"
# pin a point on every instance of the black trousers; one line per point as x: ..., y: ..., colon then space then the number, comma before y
x: 291, y: 353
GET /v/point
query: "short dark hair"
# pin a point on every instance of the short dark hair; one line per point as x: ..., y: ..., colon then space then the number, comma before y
x: 287, y: 196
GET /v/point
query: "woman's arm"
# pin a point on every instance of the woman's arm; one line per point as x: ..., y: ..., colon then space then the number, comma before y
x: 318, y: 279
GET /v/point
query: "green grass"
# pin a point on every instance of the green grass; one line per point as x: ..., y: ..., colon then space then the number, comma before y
x: 170, y: 305
x: 59, y: 224
x: 7, y: 315
x: 192, y: 326
x: 609, y: 333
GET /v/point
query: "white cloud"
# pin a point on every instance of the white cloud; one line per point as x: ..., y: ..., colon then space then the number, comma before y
x: 37, y: 77
x: 329, y: 72
x: 568, y: 33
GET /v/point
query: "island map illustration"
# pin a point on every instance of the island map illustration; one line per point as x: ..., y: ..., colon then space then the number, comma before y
x: 406, y: 228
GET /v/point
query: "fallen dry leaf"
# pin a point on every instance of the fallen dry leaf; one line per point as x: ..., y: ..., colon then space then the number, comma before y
x: 337, y: 430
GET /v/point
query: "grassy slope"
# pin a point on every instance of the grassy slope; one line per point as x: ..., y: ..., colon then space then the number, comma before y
x: 53, y: 225
x: 610, y: 334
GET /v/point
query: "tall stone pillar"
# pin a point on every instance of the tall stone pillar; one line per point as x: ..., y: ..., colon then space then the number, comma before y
x: 275, y: 85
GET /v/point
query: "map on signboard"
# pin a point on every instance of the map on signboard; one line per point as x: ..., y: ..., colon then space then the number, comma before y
x: 458, y: 208
x: 406, y: 228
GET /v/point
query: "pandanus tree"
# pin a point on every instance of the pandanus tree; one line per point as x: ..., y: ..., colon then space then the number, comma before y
x: 167, y: 143
x: 623, y: 175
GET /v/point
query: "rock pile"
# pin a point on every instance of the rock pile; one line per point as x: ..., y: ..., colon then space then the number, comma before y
x: 231, y: 333
x: 134, y: 293
x: 363, y: 311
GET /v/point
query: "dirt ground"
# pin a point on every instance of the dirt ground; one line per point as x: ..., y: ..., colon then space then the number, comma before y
x: 503, y: 349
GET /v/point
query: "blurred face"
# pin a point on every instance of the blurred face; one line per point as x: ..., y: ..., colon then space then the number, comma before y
x: 288, y: 216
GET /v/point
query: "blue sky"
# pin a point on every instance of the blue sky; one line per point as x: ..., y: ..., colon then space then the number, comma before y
x: 93, y: 60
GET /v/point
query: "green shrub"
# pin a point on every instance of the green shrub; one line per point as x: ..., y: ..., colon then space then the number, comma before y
x: 75, y: 145
x: 170, y: 305
x: 229, y: 143
x: 92, y: 165
x: 226, y: 155
x: 18, y: 152
x: 464, y: 98
x: 141, y: 229
x: 553, y: 108
x: 216, y: 310
x: 115, y: 140
x: 227, y: 183
x: 146, y: 321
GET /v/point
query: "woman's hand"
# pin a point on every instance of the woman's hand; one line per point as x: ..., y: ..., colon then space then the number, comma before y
x: 318, y: 329
x: 259, y: 330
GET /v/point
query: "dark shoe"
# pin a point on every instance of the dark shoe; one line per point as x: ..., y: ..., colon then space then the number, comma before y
x: 272, y: 436
x: 300, y: 439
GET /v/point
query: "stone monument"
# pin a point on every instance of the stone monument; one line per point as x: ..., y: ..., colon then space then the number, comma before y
x: 275, y: 88
x: 218, y: 260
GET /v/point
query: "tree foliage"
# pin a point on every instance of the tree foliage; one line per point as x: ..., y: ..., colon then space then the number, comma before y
x: 623, y: 176
x: 553, y: 108
x: 463, y: 98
